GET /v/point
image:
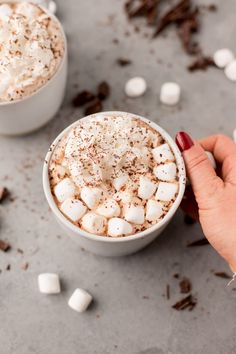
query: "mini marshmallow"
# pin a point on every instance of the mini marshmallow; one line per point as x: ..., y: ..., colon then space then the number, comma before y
x: 5, y: 11
x: 146, y: 188
x: 74, y: 209
x: 49, y: 283
x: 91, y: 196
x: 234, y: 135
x: 93, y: 223
x: 52, y: 7
x: 135, y: 87
x: 109, y: 208
x: 165, y: 172
x: 119, y: 227
x: 120, y: 181
x: 170, y: 93
x: 163, y: 153
x: 154, y: 210
x: 124, y: 196
x: 230, y: 70
x: 80, y: 300
x: 223, y: 57
x: 211, y: 158
x: 166, y: 191
x: 134, y: 213
x: 64, y: 190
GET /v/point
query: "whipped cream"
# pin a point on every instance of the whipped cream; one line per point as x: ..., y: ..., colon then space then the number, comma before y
x: 120, y: 169
x: 31, y: 49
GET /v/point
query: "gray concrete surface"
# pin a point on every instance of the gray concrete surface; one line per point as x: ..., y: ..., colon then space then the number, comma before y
x: 122, y: 319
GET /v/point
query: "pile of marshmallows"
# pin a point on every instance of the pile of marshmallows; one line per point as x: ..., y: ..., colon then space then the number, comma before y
x: 224, y: 59
x: 49, y: 283
x: 135, y: 214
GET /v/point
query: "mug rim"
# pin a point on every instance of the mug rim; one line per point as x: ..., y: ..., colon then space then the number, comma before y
x: 139, y: 235
x: 56, y: 73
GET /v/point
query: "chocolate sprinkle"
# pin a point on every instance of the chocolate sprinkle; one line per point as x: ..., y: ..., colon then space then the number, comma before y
x: 123, y: 62
x: 185, y: 286
x: 223, y: 275
x: 168, y: 292
x: 187, y: 302
x: 4, y: 246
x: 4, y: 193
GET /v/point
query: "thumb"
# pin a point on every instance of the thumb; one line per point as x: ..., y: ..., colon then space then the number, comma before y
x: 202, y: 175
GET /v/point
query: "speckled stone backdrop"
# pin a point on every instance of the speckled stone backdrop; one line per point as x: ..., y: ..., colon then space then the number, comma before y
x: 131, y: 314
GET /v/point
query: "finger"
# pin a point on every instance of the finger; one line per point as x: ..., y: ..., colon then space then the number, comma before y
x: 202, y: 175
x: 220, y: 145
x: 224, y: 151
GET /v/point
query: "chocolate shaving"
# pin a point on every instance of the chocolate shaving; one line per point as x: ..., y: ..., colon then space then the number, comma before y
x: 187, y: 302
x: 185, y: 286
x: 200, y: 242
x: 95, y: 107
x: 176, y: 14
x: 19, y: 250
x: 176, y: 276
x: 145, y: 8
x: 123, y: 61
x: 201, y: 63
x: 82, y: 98
x: 103, y: 90
x: 4, y: 246
x: 186, y: 29
x: 223, y: 275
x: 8, y: 267
x: 4, y: 193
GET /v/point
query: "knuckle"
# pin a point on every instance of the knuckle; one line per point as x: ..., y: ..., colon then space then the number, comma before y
x: 196, y: 161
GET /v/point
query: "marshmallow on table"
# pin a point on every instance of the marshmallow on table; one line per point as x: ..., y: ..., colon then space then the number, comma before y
x: 165, y: 172
x: 154, y: 210
x: 163, y: 153
x: 134, y: 213
x: 80, y: 300
x: 119, y: 227
x: 230, y: 70
x: 74, y: 209
x: 64, y: 190
x: 211, y: 158
x: 49, y: 283
x: 120, y: 181
x: 52, y: 7
x: 91, y: 196
x: 146, y: 188
x: 93, y: 223
x: 170, y: 93
x: 166, y: 191
x: 223, y: 57
x: 135, y: 87
x: 109, y: 208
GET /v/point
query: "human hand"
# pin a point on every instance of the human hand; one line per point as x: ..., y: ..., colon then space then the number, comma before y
x: 214, y: 191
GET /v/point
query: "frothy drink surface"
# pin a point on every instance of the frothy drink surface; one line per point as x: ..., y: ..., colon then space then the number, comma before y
x: 113, y: 175
x: 31, y: 49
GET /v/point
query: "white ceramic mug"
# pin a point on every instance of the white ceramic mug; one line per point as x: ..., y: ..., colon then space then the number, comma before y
x: 32, y: 112
x: 120, y: 246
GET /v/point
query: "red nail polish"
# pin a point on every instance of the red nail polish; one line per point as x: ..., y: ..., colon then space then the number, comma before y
x: 183, y: 141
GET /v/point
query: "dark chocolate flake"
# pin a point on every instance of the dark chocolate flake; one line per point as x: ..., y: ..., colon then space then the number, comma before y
x: 103, y: 90
x: 185, y: 286
x: 82, y: 98
x: 94, y: 107
x: 187, y: 302
x: 123, y: 62
x: 4, y: 193
x: 201, y: 63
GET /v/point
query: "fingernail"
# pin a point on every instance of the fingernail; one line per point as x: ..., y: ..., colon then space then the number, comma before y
x: 183, y: 141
